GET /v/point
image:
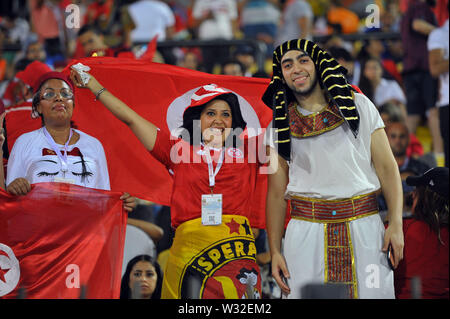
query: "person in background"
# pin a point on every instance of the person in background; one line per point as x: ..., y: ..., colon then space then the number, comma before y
x: 426, y: 252
x: 296, y: 21
x: 215, y: 20
x: 233, y: 67
x: 380, y: 89
x: 259, y: 20
x: 142, y: 279
x: 438, y: 56
x: 390, y: 113
x: 92, y: 41
x: 420, y: 87
x: 151, y: 18
x: 398, y: 136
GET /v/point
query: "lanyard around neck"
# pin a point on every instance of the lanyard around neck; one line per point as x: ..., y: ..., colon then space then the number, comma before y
x: 212, y: 173
x: 62, y: 157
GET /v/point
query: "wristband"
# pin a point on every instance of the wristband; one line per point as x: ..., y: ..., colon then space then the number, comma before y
x: 97, y: 95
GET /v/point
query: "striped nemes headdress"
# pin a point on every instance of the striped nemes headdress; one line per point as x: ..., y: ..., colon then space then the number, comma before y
x: 278, y: 96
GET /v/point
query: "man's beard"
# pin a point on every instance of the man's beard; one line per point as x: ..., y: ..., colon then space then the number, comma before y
x: 305, y: 92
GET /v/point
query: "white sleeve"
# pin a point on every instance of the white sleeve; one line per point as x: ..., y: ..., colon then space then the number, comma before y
x: 16, y: 166
x: 103, y: 179
x: 435, y: 40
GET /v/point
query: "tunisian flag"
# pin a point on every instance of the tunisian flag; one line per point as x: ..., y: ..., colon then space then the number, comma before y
x: 159, y: 93
x: 59, y: 238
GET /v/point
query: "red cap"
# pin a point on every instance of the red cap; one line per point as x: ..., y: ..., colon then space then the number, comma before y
x: 33, y: 72
x: 52, y: 75
x: 205, y: 94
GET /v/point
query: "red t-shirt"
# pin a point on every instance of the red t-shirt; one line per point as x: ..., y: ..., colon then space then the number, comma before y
x: 236, y: 180
x: 426, y: 257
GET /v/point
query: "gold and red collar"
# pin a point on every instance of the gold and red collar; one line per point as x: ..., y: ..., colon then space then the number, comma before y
x: 313, y: 124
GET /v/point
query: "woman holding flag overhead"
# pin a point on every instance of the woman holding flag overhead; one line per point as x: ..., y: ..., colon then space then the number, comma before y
x: 214, y: 176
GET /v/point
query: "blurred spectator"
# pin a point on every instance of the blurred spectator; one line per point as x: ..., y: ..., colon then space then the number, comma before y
x: 18, y: 28
x: 379, y: 89
x: 47, y: 22
x: 438, y: 58
x: 233, y: 67
x: 245, y: 55
x: 191, y: 60
x: 420, y: 87
x: 215, y: 19
x: 99, y: 13
x: 13, y: 87
x: 390, y: 113
x: 183, y: 18
x: 390, y: 17
x: 398, y: 136
x: 34, y: 51
x: 375, y: 48
x: 296, y: 21
x: 259, y: 20
x: 425, y: 254
x: 151, y: 18
x: 340, y: 19
x: 92, y: 41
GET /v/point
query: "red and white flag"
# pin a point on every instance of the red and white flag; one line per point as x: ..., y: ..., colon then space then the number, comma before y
x: 60, y: 238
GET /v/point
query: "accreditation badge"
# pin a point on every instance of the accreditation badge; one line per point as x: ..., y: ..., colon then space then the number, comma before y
x: 211, y: 209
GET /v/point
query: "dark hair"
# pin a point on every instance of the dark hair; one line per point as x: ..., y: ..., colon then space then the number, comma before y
x: 89, y: 27
x: 37, y: 99
x: 193, y: 113
x: 393, y: 111
x: 233, y: 61
x: 431, y: 208
x: 340, y: 53
x: 364, y: 83
x: 125, y: 291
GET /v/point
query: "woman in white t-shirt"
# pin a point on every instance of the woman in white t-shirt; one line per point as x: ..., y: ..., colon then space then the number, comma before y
x: 379, y: 89
x: 57, y: 152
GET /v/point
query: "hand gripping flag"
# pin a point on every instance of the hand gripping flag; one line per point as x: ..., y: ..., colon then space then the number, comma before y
x: 60, y: 238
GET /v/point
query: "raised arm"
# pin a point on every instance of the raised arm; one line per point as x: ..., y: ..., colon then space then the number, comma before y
x: 144, y: 130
